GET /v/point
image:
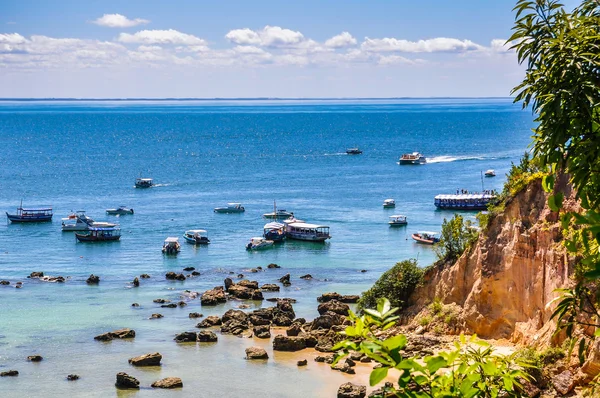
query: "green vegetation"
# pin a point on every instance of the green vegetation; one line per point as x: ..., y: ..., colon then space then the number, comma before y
x: 471, y: 369
x: 397, y: 284
x: 561, y: 51
x: 457, y: 235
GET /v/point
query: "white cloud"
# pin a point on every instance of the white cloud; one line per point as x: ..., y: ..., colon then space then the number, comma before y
x: 170, y: 36
x: 269, y: 36
x: 344, y: 39
x: 149, y: 48
x: 119, y: 21
x: 439, y: 44
x: 12, y: 38
x: 500, y: 46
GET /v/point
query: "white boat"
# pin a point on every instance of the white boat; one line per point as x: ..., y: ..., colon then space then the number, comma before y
x: 397, y: 220
x: 259, y: 243
x: 78, y: 221
x: 119, y: 211
x: 230, y: 208
x: 304, y: 231
x: 171, y: 245
x: 274, y: 231
x: 143, y: 182
x: 278, y: 213
x: 389, y: 204
x: 196, y: 236
x: 412, y: 158
x: 490, y: 173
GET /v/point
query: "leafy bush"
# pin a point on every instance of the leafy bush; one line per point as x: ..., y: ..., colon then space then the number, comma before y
x: 397, y: 284
x: 470, y: 370
x: 457, y: 235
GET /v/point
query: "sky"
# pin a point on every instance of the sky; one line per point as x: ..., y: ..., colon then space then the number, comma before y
x: 241, y: 48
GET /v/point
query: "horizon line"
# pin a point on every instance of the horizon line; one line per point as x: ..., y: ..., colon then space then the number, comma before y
x: 232, y: 98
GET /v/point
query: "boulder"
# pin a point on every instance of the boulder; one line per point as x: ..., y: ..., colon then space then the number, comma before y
x: 288, y: 343
x: 195, y: 273
x: 302, y: 362
x: 135, y: 304
x: 240, y: 292
x: 72, y: 377
x: 145, y: 276
x: 343, y: 367
x: 209, y: 321
x: 170, y: 305
x: 234, y: 327
x: 256, y: 353
x: 271, y: 266
x: 34, y: 358
x: 36, y: 275
x: 186, y: 337
x: 206, y: 336
x: 327, y: 321
x: 116, y: 334
x: 189, y: 269
x: 333, y: 306
x: 93, y: 280
x: 563, y: 383
x: 352, y: 298
x: 286, y: 307
x: 156, y: 316
x: 285, y: 280
x: 173, y: 276
x: 228, y: 283
x: 161, y: 301
x: 168, y: 382
x: 282, y: 319
x: 182, y: 303
x: 269, y: 287
x: 152, y: 359
x: 350, y: 390
x: 306, y: 277
x: 9, y: 373
x: 213, y: 296
x: 237, y: 315
x: 125, y: 381
x: 262, y: 331
x: 195, y: 315
x: 325, y: 358
x: 257, y: 295
x: 278, y: 299
x: 248, y: 284
x: 336, y: 296
x: 136, y: 282
x: 294, y: 330
x: 5, y: 283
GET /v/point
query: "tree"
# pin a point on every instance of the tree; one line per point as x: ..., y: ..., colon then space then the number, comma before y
x: 457, y: 235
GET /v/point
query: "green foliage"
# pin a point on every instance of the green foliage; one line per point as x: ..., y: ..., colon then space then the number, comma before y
x: 471, y: 369
x: 436, y: 306
x: 397, y: 284
x: 457, y: 235
x: 424, y: 321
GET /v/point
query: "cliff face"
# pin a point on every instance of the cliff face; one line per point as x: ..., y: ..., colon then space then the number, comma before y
x: 505, y: 280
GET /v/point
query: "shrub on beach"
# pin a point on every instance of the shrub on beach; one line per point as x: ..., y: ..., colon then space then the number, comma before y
x: 396, y: 284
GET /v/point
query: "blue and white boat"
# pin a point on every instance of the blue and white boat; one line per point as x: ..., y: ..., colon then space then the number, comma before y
x: 274, y: 231
x: 196, y: 236
x: 119, y: 211
x: 463, y: 201
x: 95, y: 234
x: 231, y: 208
x: 34, y: 214
x: 259, y: 243
x: 397, y: 220
x: 305, y: 231
x: 79, y: 221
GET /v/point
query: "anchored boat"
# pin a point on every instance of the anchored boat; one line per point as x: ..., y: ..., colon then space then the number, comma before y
x: 426, y: 237
x: 196, y: 236
x: 353, y: 151
x: 23, y: 215
x: 389, y: 204
x: 397, y: 220
x: 119, y: 211
x: 274, y: 231
x: 97, y: 234
x: 231, y: 208
x: 259, y: 243
x: 171, y: 245
x: 305, y: 231
x: 463, y: 201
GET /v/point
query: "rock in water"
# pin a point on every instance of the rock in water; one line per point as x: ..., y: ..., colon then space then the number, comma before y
x: 34, y: 358
x: 136, y: 282
x: 206, y: 336
x: 93, y: 280
x: 256, y: 353
x: 186, y: 337
x: 349, y: 390
x: 116, y: 334
x: 152, y: 359
x: 125, y: 381
x: 195, y: 315
x: 333, y: 306
x: 211, y: 320
x: 285, y: 280
x: 306, y: 277
x: 73, y: 377
x: 168, y: 382
x: 286, y: 343
x: 262, y: 331
x: 270, y: 266
x: 9, y: 373
x: 302, y: 362
x: 156, y: 316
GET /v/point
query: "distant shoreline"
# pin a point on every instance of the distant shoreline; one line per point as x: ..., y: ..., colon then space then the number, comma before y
x: 247, y: 99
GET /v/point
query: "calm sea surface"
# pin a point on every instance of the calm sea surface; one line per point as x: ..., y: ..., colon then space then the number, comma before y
x: 77, y: 155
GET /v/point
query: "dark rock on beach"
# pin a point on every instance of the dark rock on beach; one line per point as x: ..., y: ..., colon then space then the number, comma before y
x: 209, y: 321
x: 248, y: 284
x: 124, y: 381
x: 72, y: 377
x: 256, y: 353
x: 173, y: 276
x: 182, y: 303
x: 350, y: 390
x: 9, y: 373
x: 5, y: 283
x: 302, y: 362
x: 234, y: 322
x: 93, y: 280
x: 262, y: 331
x: 168, y: 382
x: 287, y: 343
x: 228, y: 283
x: 336, y: 296
x: 116, y: 334
x: 325, y: 358
x: 206, y: 336
x: 277, y: 299
x: 333, y: 306
x: 34, y: 358
x: 186, y: 337
x: 170, y: 305
x: 152, y: 359
x: 294, y: 330
x: 213, y: 296
x: 161, y: 301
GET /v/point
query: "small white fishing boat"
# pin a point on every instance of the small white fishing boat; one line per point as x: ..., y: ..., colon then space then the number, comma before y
x: 490, y: 173
x: 144, y: 182
x: 389, y: 204
x: 78, y: 221
x: 171, y: 245
x: 230, y: 208
x: 259, y: 243
x: 119, y: 211
x: 397, y: 220
x: 196, y: 236
x: 412, y: 158
x: 426, y: 237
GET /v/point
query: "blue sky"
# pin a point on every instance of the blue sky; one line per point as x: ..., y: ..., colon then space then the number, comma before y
x: 185, y: 48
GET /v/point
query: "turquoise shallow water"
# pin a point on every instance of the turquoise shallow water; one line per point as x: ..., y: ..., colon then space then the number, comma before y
x: 85, y: 156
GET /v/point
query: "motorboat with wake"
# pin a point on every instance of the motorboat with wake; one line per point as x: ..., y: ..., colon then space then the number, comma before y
x: 412, y: 158
x: 144, y: 182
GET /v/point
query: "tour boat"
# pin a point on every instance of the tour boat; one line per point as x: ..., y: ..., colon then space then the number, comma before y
x: 274, y: 231
x: 119, y: 211
x: 78, y: 221
x: 304, y: 231
x: 259, y: 243
x: 231, y: 208
x: 96, y: 234
x: 397, y: 220
x: 389, y: 204
x: 143, y: 182
x: 412, y: 158
x: 353, y: 151
x: 490, y: 173
x: 171, y: 245
x: 41, y: 214
x: 196, y: 236
x: 426, y: 237
x: 463, y: 201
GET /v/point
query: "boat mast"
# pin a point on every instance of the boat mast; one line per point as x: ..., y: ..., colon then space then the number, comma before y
x: 481, y: 171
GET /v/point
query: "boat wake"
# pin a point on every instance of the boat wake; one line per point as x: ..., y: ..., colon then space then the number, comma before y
x: 446, y: 159
x: 336, y: 154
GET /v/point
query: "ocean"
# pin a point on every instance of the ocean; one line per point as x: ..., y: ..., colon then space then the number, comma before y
x: 86, y: 155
